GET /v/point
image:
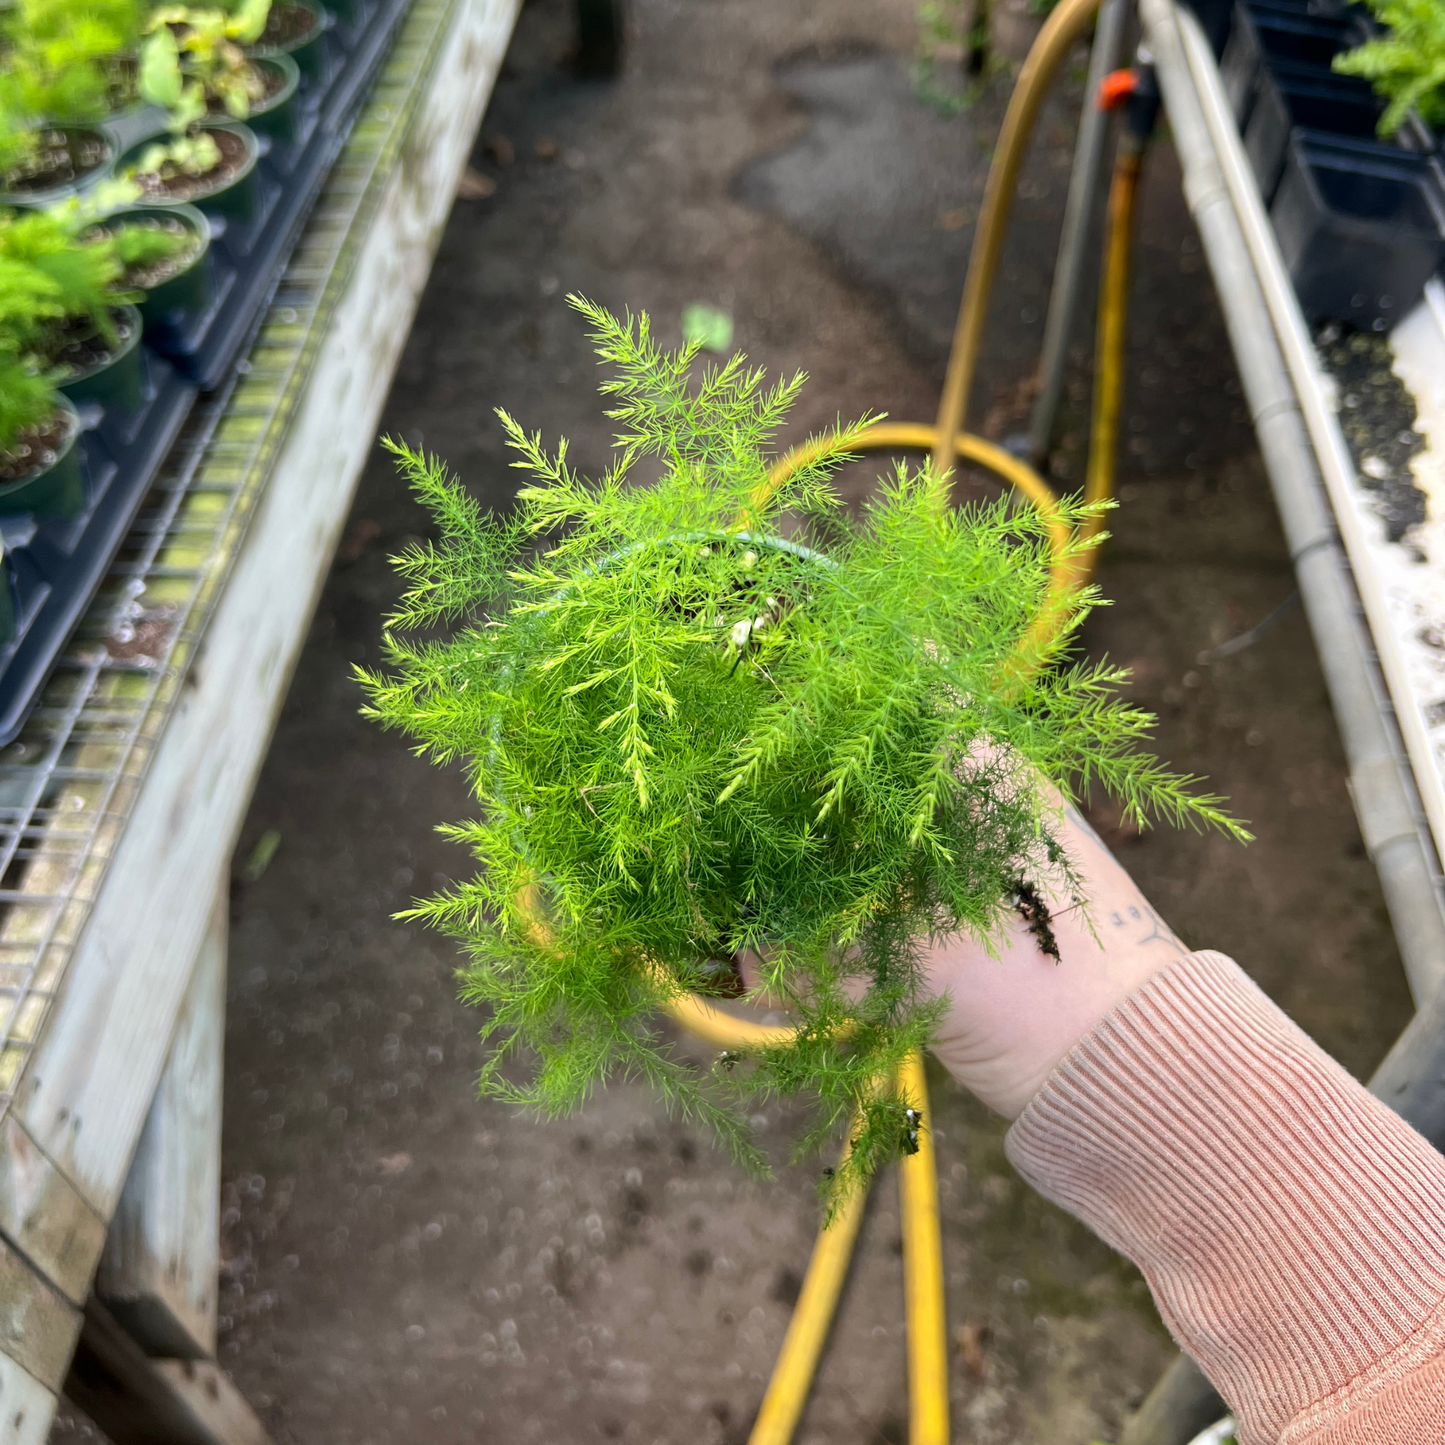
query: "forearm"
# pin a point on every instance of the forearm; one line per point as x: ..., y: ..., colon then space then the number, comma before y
x: 1292, y: 1228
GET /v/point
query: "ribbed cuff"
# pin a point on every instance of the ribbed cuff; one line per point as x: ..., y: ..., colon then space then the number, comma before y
x: 1291, y: 1227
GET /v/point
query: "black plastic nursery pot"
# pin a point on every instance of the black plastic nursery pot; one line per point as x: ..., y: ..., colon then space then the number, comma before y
x: 1361, y: 228
x: 119, y: 381
x: 284, y: 35
x: 72, y: 158
x: 1307, y: 96
x: 231, y: 198
x: 56, y: 485
x: 275, y: 117
x: 1265, y: 35
x: 187, y: 290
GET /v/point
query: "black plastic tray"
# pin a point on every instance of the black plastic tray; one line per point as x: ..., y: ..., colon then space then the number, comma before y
x: 1311, y: 97
x: 247, y: 260
x: 56, y: 565
x: 1264, y: 34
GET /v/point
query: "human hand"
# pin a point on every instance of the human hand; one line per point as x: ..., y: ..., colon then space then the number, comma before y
x: 1013, y: 1018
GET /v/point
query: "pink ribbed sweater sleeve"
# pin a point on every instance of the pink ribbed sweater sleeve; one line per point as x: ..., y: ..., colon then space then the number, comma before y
x: 1291, y: 1227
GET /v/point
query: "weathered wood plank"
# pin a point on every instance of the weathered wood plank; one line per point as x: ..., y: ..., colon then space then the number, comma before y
x: 139, y: 1401
x: 26, y: 1406
x: 89, y: 1085
x: 214, y: 1400
x: 43, y: 1215
x: 38, y: 1325
x: 157, y: 1275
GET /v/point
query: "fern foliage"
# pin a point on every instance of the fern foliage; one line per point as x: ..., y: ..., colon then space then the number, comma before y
x: 701, y: 718
x: 1407, y: 63
x: 48, y: 276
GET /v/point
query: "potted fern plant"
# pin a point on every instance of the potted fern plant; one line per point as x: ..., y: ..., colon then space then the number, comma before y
x: 42, y: 165
x: 710, y: 716
x: 65, y: 327
x: 164, y: 256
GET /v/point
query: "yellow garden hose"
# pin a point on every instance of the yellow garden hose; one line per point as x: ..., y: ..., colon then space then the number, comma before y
x: 927, y: 1338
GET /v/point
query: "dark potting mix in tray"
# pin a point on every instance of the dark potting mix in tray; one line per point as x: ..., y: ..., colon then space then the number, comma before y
x: 1360, y: 218
x: 55, y: 563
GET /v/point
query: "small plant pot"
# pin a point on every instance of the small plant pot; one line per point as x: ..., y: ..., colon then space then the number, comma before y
x: 117, y: 381
x: 55, y: 487
x: 1361, y: 228
x: 229, y: 193
x: 275, y: 116
x: 125, y: 97
x: 1262, y: 36
x: 296, y: 28
x: 72, y: 159
x: 1319, y: 101
x: 184, y: 290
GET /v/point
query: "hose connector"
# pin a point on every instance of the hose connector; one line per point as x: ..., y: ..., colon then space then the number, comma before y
x: 1135, y: 92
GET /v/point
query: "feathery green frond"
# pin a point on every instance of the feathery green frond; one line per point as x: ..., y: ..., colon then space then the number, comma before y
x: 701, y: 717
x: 1407, y: 64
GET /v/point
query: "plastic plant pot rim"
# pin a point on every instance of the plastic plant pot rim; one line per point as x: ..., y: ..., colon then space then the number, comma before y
x: 269, y: 52
x: 1309, y: 150
x: 253, y: 157
x: 133, y: 320
x: 54, y: 194
x: 283, y: 62
x: 66, y: 408
x: 194, y: 220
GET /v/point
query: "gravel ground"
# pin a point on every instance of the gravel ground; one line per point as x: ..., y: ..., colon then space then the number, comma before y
x: 403, y: 1262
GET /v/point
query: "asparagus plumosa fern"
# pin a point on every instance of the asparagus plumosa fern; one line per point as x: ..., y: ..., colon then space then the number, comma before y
x: 1407, y: 63
x: 690, y: 737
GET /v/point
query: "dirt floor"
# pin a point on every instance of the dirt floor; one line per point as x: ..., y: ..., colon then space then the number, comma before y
x: 404, y: 1263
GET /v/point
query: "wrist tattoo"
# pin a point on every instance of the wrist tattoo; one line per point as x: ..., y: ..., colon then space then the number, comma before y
x: 1143, y: 925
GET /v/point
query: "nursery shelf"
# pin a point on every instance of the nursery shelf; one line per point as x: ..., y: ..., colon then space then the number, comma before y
x: 1376, y: 604
x: 120, y: 799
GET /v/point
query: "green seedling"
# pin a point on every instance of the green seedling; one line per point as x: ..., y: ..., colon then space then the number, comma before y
x: 182, y: 155
x: 192, y: 56
x: 48, y: 276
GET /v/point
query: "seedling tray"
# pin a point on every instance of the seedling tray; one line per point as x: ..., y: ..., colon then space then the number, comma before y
x: 247, y: 260
x: 56, y: 564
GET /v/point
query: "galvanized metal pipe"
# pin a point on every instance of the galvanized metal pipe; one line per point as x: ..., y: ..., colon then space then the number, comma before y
x: 1082, y: 211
